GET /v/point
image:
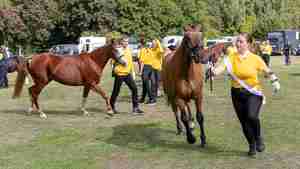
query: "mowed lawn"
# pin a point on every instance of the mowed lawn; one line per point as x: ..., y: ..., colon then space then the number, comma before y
x: 68, y: 140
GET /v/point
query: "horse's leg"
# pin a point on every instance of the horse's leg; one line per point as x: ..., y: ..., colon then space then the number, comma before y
x: 34, y: 92
x: 191, y: 118
x: 178, y: 123
x: 200, y: 119
x: 99, y: 90
x: 86, y: 91
x: 185, y: 120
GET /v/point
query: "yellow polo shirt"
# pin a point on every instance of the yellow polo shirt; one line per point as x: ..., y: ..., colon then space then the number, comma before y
x: 121, y: 70
x: 145, y: 56
x: 266, y: 49
x: 247, y: 69
x: 157, y: 54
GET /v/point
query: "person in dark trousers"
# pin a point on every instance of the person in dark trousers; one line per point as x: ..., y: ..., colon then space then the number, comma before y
x: 145, y: 61
x: 123, y: 73
x: 266, y: 51
x: 286, y: 53
x: 3, y: 69
x: 157, y: 56
x: 246, y: 90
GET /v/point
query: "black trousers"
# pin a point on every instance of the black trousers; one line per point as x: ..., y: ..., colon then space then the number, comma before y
x: 266, y: 58
x: 117, y: 86
x: 287, y: 58
x: 148, y: 82
x: 156, y: 78
x: 247, y: 107
x: 3, y: 74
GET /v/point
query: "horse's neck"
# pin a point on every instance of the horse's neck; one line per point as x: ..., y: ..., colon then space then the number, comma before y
x: 101, y: 56
x: 182, y: 63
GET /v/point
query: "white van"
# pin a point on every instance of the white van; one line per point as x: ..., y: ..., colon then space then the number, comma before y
x: 166, y: 39
x: 90, y: 43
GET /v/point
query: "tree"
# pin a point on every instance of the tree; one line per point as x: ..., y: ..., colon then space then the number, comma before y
x: 155, y: 18
x: 77, y: 16
x: 11, y: 28
x: 34, y: 14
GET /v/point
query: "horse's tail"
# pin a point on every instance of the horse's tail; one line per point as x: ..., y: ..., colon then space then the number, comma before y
x: 22, y: 73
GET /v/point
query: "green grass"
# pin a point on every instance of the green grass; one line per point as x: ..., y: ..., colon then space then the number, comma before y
x: 68, y: 140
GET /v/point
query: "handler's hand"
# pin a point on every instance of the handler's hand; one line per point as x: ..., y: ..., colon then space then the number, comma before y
x: 276, y: 86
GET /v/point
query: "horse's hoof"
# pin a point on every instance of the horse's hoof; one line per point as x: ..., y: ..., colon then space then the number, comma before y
x: 29, y: 112
x: 85, y: 113
x: 43, y: 115
x: 110, y: 113
x: 191, y: 139
x: 202, y: 145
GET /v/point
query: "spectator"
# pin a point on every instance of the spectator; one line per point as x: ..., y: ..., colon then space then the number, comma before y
x: 3, y: 68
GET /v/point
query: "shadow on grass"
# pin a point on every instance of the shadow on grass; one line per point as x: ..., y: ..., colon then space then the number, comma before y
x: 146, y: 137
x: 294, y: 74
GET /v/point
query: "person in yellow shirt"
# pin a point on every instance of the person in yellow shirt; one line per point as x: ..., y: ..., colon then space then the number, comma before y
x: 145, y: 62
x: 231, y: 49
x: 157, y: 54
x: 122, y: 73
x: 246, y: 90
x: 266, y: 50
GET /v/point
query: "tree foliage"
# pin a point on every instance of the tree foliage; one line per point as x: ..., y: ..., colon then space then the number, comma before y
x: 42, y: 23
x: 11, y: 28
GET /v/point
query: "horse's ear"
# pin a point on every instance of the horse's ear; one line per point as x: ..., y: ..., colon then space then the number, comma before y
x: 196, y: 28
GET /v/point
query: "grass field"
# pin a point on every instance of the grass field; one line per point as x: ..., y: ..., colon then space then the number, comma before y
x: 68, y: 140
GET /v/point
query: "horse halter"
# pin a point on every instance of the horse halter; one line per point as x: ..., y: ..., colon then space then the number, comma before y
x: 194, y: 50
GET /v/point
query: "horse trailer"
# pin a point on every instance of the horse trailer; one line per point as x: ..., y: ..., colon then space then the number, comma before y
x: 283, y: 37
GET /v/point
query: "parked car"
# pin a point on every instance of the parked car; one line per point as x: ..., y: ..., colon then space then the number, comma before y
x: 65, y: 49
x: 211, y: 42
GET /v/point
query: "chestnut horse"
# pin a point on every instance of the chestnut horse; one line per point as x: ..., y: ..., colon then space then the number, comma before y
x: 82, y: 70
x: 182, y: 78
x: 211, y: 56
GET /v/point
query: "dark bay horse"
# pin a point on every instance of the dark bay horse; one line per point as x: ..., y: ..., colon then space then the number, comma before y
x: 10, y: 65
x: 82, y: 70
x: 182, y: 78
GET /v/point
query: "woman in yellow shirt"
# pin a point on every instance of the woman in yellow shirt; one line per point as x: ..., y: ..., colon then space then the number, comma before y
x: 157, y: 54
x: 246, y: 92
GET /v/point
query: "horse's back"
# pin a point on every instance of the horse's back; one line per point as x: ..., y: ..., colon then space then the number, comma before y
x: 66, y: 70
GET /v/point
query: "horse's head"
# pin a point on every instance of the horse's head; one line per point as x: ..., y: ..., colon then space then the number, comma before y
x: 192, y: 41
x: 213, y: 53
